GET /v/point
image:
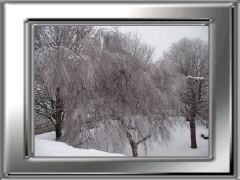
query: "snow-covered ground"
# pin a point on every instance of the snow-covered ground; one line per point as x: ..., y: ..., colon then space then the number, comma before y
x: 178, y: 145
x: 45, y: 145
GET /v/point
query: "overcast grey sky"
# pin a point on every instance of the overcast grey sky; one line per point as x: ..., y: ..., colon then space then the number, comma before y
x: 161, y: 37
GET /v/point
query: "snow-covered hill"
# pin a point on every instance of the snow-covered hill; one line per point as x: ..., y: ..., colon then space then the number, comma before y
x: 45, y: 145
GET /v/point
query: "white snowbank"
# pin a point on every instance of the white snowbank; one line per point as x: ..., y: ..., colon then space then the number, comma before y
x: 45, y: 145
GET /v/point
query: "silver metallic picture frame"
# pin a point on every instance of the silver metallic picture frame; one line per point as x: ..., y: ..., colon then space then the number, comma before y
x: 17, y: 18
x: 29, y: 82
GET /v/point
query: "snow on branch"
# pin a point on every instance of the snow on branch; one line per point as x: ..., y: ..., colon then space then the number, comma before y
x: 195, y: 78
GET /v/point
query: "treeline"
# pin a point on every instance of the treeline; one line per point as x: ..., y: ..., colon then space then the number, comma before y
x: 101, y: 88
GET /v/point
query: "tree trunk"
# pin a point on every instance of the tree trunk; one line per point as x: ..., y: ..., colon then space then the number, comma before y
x: 134, y: 149
x: 59, y: 114
x: 193, y: 134
x: 58, y: 130
x: 132, y: 144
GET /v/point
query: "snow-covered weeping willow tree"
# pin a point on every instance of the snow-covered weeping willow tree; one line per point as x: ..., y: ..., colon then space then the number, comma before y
x: 104, y: 96
x: 66, y: 78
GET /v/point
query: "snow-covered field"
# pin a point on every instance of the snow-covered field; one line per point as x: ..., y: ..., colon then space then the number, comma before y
x: 178, y: 145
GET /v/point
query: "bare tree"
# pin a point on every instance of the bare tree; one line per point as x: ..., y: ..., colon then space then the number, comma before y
x: 188, y: 62
x: 49, y: 107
